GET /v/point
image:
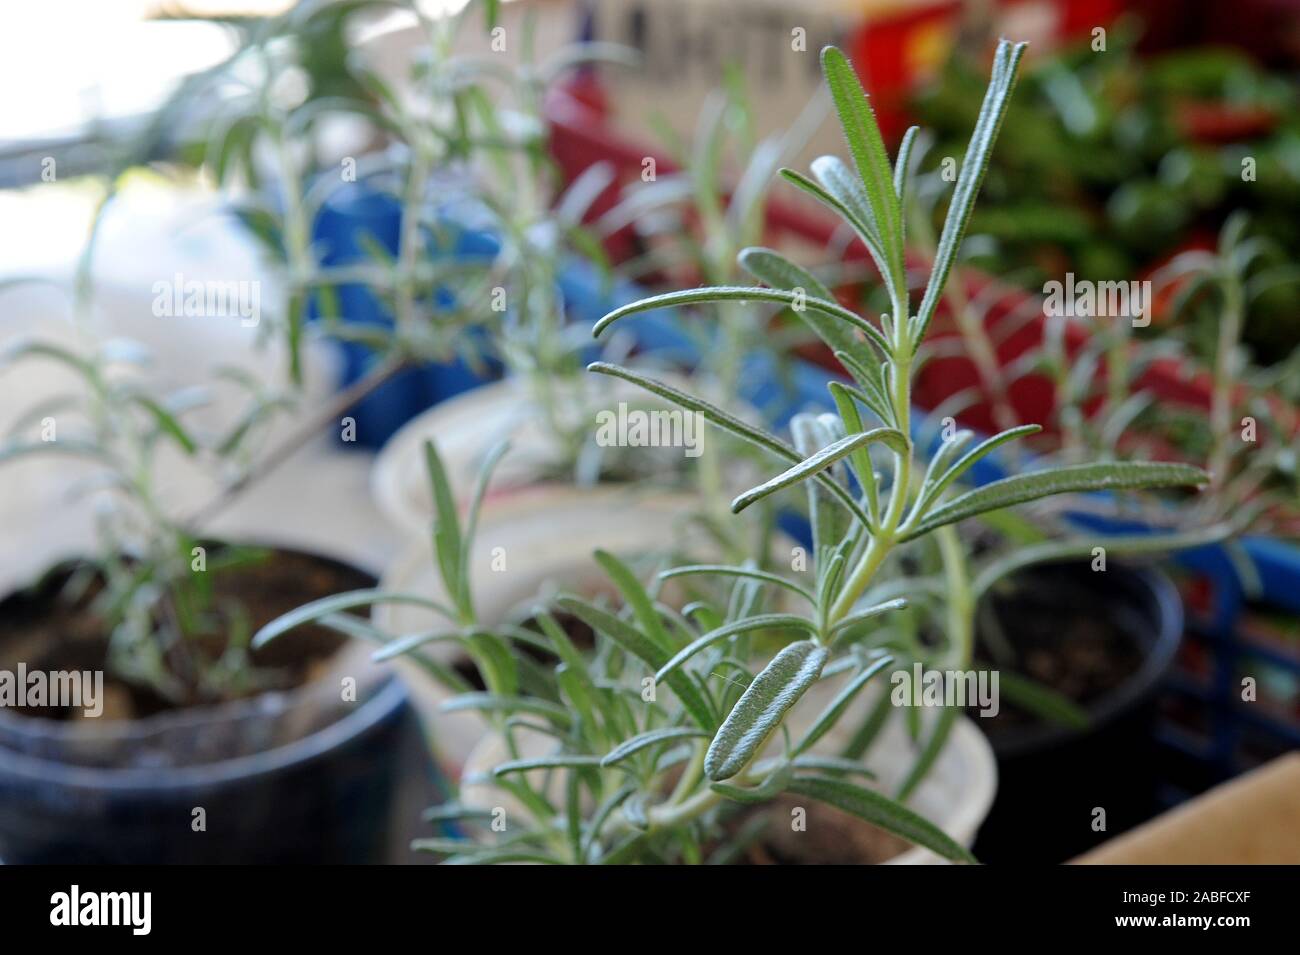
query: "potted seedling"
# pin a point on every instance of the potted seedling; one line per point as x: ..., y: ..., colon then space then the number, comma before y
x: 717, y: 687
x: 138, y: 724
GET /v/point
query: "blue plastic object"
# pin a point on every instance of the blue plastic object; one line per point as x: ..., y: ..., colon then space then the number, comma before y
x: 353, y: 217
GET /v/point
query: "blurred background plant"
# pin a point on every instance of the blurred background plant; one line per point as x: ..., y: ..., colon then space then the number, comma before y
x: 151, y: 578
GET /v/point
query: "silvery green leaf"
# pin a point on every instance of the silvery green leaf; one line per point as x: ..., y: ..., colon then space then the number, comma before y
x: 491, y: 703
x: 766, y: 791
x: 644, y: 649
x: 931, y: 491
x: 574, y: 761
x: 728, y: 293
x: 771, y: 621
x: 1155, y: 542
x: 309, y: 613
x: 858, y: 122
x: 1107, y: 476
x: 744, y: 572
x: 446, y: 524
x: 1006, y: 60
x: 635, y: 596
x: 649, y: 738
x: 835, y: 709
x: 728, y: 423
x: 820, y: 461
x: 762, y: 706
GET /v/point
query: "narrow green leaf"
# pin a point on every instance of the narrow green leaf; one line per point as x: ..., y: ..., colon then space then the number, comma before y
x: 866, y: 734
x: 446, y: 524
x: 601, y: 816
x: 852, y: 620
x: 1106, y: 476
x: 309, y: 613
x: 744, y: 572
x: 835, y: 709
x: 774, y: 269
x: 846, y: 188
x: 901, y: 166
x: 820, y: 461
x: 635, y: 596
x: 728, y: 423
x: 491, y: 703
x: 1005, y: 63
x: 564, y: 647
x: 37, y: 349
x: 580, y: 694
x: 880, y: 811
x: 811, y: 433
x: 167, y: 423
x: 772, y: 621
x: 395, y: 648
x: 496, y: 662
x: 780, y: 273
x: 13, y: 450
x: 860, y: 459
x: 644, y: 649
x: 858, y: 216
x: 831, y: 764
x: 930, y: 752
x: 573, y: 761
x: 968, y: 460
x: 1042, y: 701
x: 868, y: 148
x: 762, y: 707
x: 766, y: 791
x: 738, y: 294
x: 1153, y: 543
x: 494, y: 456
x: 639, y: 742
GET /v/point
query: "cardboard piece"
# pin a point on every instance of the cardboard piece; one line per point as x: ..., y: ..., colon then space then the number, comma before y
x: 1252, y: 820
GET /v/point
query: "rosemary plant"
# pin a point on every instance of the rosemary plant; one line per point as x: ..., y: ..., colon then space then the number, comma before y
x: 152, y: 579
x: 1249, y: 439
x: 676, y: 720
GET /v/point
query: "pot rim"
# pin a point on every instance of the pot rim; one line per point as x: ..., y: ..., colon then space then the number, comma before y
x: 381, y: 706
x: 388, y: 695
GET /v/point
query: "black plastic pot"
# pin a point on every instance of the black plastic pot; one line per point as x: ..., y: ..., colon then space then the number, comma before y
x: 291, y: 777
x: 1053, y: 779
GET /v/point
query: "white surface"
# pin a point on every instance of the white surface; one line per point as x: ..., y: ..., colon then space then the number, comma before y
x: 320, y: 497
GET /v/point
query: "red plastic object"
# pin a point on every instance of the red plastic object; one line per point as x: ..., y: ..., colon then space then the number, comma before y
x: 894, y: 53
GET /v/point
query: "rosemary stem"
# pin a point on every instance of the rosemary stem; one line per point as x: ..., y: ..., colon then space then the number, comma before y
x: 291, y: 445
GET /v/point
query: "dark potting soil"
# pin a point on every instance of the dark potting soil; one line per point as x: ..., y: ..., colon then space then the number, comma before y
x: 1069, y: 640
x: 47, y: 629
x: 828, y: 836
